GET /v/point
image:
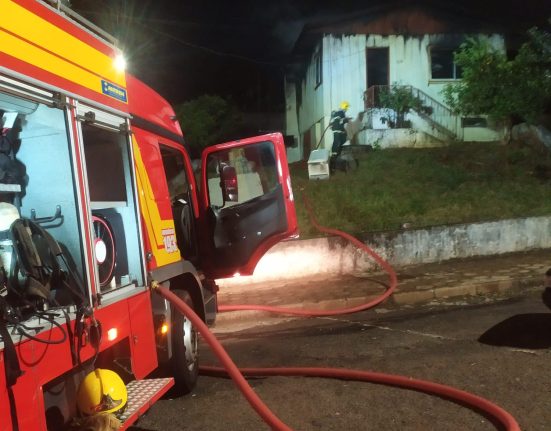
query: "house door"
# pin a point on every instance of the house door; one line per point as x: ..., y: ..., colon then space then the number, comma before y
x: 377, y: 66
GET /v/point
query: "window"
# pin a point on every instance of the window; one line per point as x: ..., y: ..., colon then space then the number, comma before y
x: 442, y: 64
x: 298, y: 87
x: 255, y: 173
x: 104, y: 154
x: 175, y: 171
x: 474, y: 122
x: 38, y: 183
x: 112, y: 200
x: 319, y: 70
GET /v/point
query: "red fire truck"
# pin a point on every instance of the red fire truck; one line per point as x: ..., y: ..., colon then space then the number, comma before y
x: 98, y: 202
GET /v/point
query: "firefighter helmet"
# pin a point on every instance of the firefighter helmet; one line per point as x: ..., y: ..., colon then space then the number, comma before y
x: 345, y: 105
x: 101, y: 391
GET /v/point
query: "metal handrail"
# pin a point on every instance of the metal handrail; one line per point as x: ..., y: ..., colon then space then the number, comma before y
x: 434, y: 114
x: 79, y: 19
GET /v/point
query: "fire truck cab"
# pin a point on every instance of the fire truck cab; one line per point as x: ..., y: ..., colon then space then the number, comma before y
x: 98, y: 200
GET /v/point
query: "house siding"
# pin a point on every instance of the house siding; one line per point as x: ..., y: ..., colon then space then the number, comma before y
x: 345, y: 78
x: 291, y: 121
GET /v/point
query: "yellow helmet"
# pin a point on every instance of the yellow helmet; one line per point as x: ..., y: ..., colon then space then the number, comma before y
x: 345, y: 105
x: 101, y: 391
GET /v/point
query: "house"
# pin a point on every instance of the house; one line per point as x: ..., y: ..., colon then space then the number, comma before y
x: 369, y: 57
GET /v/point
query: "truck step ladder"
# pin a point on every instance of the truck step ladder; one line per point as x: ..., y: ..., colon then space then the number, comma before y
x: 142, y: 394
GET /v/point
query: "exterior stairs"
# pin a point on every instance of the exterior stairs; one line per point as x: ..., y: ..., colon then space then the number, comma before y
x: 436, y: 115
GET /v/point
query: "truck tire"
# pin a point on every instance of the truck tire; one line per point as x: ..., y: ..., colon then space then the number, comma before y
x: 185, y: 359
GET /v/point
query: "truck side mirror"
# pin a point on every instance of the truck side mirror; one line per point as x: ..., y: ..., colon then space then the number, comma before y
x: 228, y: 183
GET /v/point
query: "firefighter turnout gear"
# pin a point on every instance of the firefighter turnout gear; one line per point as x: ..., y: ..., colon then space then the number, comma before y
x: 338, y: 120
x: 103, y: 422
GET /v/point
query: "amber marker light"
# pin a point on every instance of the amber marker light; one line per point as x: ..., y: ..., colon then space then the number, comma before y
x: 112, y: 334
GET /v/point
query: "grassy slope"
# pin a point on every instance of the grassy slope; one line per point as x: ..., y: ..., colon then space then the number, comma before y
x: 456, y: 184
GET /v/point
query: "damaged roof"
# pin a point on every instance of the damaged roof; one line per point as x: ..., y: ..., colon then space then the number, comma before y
x: 406, y: 17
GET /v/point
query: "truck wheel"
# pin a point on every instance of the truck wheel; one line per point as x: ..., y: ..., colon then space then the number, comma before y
x: 185, y: 359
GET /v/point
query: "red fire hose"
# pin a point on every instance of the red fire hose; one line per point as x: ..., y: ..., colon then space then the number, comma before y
x: 318, y: 313
x: 230, y: 369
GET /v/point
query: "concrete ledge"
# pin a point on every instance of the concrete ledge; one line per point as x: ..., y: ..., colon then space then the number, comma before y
x: 451, y: 292
x: 413, y: 297
x: 290, y: 260
x: 506, y: 288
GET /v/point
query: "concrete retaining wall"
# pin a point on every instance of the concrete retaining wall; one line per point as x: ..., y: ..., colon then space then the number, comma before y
x: 398, y: 138
x: 331, y: 256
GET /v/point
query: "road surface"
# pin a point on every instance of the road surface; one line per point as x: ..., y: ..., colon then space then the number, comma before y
x: 498, y: 349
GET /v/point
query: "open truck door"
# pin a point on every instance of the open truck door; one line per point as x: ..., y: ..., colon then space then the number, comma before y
x: 247, y: 203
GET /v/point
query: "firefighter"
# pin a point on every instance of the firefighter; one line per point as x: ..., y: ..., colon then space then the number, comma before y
x: 337, y: 122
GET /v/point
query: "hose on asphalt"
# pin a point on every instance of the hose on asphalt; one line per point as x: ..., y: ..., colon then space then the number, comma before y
x: 238, y: 376
x: 231, y: 370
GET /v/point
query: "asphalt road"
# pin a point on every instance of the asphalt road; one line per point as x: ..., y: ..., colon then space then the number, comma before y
x: 499, y: 349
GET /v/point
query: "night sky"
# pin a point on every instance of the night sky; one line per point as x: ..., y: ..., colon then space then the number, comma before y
x: 187, y: 48
x: 239, y: 48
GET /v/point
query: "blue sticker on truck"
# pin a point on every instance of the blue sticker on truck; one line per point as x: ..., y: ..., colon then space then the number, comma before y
x: 113, y: 90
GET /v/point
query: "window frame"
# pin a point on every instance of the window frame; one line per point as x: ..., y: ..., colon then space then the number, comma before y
x: 179, y: 157
x: 456, y: 71
x: 119, y: 124
x: 474, y: 121
x: 318, y: 65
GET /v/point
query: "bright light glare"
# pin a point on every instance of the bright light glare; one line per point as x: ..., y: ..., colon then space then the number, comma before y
x: 101, y: 251
x: 276, y: 266
x: 164, y: 328
x: 112, y: 334
x: 120, y: 63
x: 237, y: 274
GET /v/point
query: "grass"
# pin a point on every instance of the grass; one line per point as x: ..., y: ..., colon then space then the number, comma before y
x: 462, y: 183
